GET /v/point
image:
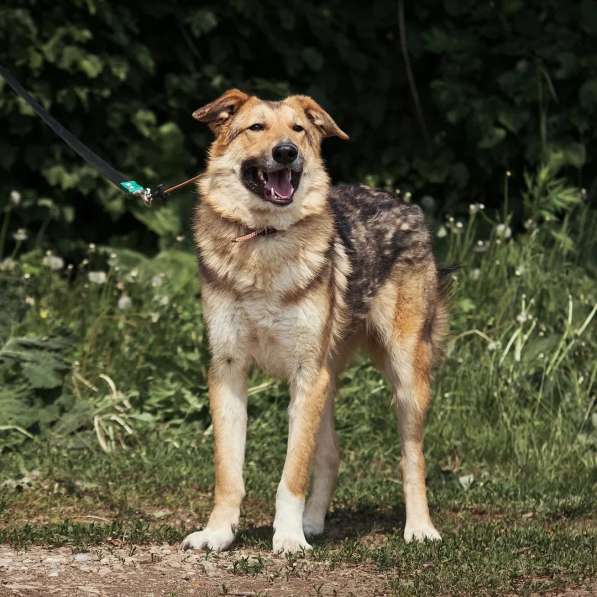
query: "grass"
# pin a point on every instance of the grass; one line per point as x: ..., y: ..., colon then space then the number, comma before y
x: 106, y: 435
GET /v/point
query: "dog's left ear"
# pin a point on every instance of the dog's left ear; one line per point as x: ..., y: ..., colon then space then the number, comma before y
x: 218, y: 112
x: 320, y: 118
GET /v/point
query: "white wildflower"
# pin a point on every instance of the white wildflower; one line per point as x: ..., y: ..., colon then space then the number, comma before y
x: 441, y: 232
x: 97, y: 277
x: 157, y: 280
x: 164, y: 301
x: 53, y: 262
x: 180, y: 238
x: 29, y: 300
x: 492, y: 346
x: 407, y: 197
x: 503, y: 231
x: 124, y: 302
x: 92, y: 247
x: 7, y: 265
x: 20, y: 235
x: 480, y: 246
x: 15, y: 197
x: 476, y: 274
x: 155, y: 317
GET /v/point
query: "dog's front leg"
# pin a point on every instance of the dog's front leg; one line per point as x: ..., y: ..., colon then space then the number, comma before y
x: 309, y: 394
x: 228, y: 403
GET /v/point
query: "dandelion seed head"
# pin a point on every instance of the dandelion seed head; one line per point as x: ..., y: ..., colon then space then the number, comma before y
x: 53, y: 262
x: 21, y: 235
x: 157, y: 280
x: 97, y: 277
x: 124, y: 302
x: 8, y: 265
x: 503, y: 231
x: 15, y: 197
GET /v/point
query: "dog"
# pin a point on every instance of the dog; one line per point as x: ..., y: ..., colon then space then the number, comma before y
x: 296, y: 274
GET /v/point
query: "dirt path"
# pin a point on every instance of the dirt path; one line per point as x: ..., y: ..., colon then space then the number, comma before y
x: 163, y: 570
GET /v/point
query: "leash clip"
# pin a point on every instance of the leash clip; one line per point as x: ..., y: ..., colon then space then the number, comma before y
x: 146, y: 196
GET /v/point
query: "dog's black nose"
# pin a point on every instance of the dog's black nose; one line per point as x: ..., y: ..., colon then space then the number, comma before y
x: 285, y: 153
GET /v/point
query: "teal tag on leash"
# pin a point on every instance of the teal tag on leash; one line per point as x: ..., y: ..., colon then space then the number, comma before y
x: 132, y: 186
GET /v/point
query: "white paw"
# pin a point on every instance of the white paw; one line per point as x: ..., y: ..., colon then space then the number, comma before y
x: 312, y: 526
x: 290, y: 543
x: 421, y: 532
x: 213, y: 539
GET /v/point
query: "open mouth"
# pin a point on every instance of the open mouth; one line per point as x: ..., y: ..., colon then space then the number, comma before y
x: 276, y: 185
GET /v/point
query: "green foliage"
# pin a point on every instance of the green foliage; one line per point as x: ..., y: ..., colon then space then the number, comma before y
x: 502, y: 86
x: 116, y: 348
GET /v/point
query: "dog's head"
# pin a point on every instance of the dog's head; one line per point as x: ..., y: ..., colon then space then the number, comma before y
x: 265, y: 164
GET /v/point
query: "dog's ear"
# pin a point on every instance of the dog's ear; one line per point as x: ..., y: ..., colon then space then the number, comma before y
x: 324, y: 123
x: 218, y: 112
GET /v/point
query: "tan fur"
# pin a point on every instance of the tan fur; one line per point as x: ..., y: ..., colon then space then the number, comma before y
x: 283, y: 303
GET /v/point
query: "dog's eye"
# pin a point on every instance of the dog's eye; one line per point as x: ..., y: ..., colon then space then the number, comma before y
x: 298, y: 128
x: 256, y: 127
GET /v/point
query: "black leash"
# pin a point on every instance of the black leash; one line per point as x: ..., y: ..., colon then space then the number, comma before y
x: 118, y: 179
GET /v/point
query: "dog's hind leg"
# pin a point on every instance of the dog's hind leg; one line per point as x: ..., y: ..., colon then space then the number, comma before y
x: 228, y: 403
x: 325, y: 472
x: 410, y: 370
x: 310, y: 392
x: 406, y: 347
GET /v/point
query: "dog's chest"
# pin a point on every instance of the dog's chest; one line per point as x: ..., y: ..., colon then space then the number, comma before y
x: 278, y: 338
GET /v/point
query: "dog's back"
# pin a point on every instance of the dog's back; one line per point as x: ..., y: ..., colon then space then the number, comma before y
x: 379, y: 233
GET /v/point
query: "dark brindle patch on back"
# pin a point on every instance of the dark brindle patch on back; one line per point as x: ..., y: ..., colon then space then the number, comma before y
x: 378, y: 231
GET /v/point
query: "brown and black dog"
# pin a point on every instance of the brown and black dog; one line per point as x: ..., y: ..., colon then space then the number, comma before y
x: 295, y: 275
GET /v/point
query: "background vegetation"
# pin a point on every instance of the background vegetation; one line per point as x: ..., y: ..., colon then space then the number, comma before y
x: 500, y: 85
x: 103, y: 354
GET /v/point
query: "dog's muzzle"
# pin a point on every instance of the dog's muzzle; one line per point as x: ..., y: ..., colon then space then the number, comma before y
x: 274, y: 179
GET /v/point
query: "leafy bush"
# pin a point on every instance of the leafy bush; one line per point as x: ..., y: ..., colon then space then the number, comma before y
x: 501, y: 85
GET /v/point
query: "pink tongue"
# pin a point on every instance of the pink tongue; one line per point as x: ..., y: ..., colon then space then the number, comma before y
x: 278, y: 183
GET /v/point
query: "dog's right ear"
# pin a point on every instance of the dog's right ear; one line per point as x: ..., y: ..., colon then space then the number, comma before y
x: 218, y: 112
